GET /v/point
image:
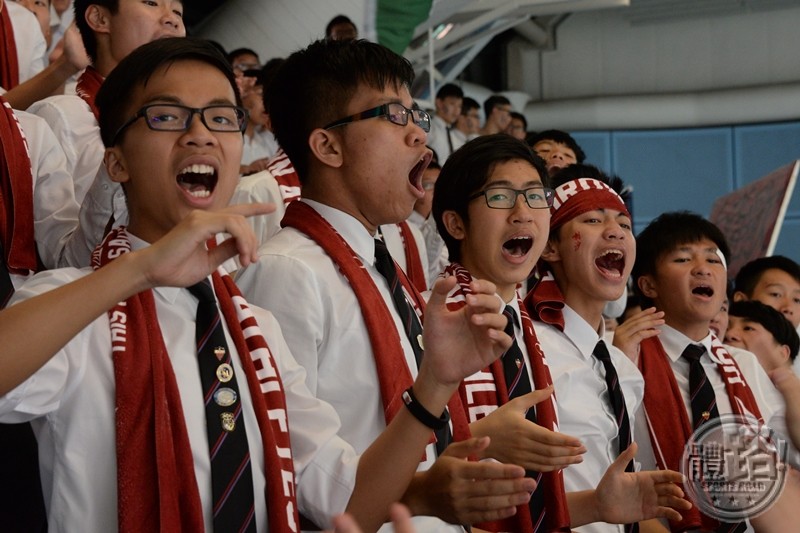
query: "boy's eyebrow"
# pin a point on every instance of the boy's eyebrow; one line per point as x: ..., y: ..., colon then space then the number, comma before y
x: 507, y: 183
x: 172, y: 99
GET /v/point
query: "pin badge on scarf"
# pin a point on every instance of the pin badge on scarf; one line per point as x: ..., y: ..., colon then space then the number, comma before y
x: 219, y: 351
x: 518, y: 362
x: 706, y: 415
x: 225, y: 397
x: 228, y: 422
x: 224, y: 373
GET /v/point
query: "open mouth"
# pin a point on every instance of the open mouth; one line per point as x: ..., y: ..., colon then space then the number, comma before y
x: 198, y: 180
x: 611, y: 262
x: 703, y: 290
x: 415, y: 176
x: 518, y: 246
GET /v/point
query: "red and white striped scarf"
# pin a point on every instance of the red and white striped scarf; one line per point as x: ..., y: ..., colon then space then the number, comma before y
x: 393, y: 374
x: 16, y: 195
x: 486, y: 390
x: 89, y: 83
x: 414, y: 269
x: 284, y: 173
x: 668, y: 421
x: 157, y: 488
x: 9, y: 62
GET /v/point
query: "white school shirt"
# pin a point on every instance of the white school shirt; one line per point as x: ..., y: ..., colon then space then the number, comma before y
x: 262, y: 145
x: 437, y: 138
x: 29, y: 40
x: 55, y: 211
x: 77, y: 131
x: 322, y: 323
x: 434, y: 244
x: 579, y: 381
x: 70, y: 402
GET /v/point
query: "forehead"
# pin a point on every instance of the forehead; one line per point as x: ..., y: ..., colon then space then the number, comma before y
x: 189, y: 81
x: 515, y: 172
x: 775, y: 276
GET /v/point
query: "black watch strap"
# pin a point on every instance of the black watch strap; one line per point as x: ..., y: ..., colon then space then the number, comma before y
x: 422, y: 414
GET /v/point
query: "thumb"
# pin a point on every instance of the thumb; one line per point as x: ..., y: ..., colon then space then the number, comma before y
x: 624, y: 458
x: 786, y: 382
x: 526, y: 401
x: 440, y: 290
x: 463, y: 449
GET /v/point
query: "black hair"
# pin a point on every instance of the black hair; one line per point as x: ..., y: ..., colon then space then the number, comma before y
x: 114, y: 97
x: 520, y: 116
x: 490, y: 103
x: 233, y: 54
x: 466, y: 171
x: 560, y: 137
x: 773, y: 321
x: 449, y: 90
x: 468, y: 104
x: 87, y: 33
x: 335, y: 21
x: 315, y: 85
x: 667, y: 233
x: 750, y: 274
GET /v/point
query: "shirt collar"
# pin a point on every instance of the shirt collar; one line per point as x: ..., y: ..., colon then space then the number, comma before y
x: 582, y: 335
x: 351, y: 230
x: 170, y: 294
x: 675, y: 342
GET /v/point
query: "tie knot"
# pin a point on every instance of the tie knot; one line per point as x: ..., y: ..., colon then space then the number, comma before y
x: 601, y: 351
x: 693, y: 352
x: 202, y: 291
x: 381, y: 251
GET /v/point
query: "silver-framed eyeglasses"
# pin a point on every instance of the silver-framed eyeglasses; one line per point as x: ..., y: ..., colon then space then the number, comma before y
x: 177, y: 117
x: 396, y: 112
x: 506, y: 197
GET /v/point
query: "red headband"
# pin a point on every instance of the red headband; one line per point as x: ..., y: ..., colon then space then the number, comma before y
x: 578, y: 196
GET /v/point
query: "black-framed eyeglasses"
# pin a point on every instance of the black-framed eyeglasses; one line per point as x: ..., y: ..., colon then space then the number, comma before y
x: 506, y: 197
x: 177, y: 117
x: 396, y: 113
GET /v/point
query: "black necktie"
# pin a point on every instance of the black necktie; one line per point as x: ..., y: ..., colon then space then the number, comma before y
x: 231, y: 474
x: 518, y: 383
x: 703, y: 399
x: 6, y: 286
x: 413, y: 329
x: 618, y: 407
x: 704, y: 408
x: 449, y: 141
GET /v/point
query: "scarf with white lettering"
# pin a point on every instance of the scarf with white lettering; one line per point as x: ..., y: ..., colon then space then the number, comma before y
x: 284, y: 173
x: 667, y: 420
x: 9, y: 63
x: 486, y: 390
x: 393, y: 374
x: 89, y: 83
x: 156, y: 484
x: 16, y: 195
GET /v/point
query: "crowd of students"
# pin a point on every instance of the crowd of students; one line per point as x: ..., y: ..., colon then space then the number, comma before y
x: 375, y: 305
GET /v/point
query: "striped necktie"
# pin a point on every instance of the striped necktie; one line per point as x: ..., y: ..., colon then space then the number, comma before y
x: 618, y: 407
x: 231, y: 474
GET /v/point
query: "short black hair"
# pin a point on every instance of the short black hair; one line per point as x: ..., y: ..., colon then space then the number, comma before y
x: 87, y: 33
x: 520, y: 116
x: 449, y: 90
x: 666, y: 233
x: 335, y: 21
x: 315, y: 84
x: 493, y: 101
x: 233, y: 54
x: 560, y: 137
x: 773, y: 321
x: 113, y: 98
x: 468, y: 104
x: 467, y: 170
x: 750, y: 274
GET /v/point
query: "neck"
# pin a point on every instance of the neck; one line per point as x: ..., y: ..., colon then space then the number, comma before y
x: 695, y: 331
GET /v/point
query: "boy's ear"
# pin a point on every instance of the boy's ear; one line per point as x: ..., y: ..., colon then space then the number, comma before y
x: 739, y: 296
x: 97, y: 18
x: 454, y: 225
x: 784, y: 352
x: 115, y: 165
x: 647, y: 286
x: 326, y: 147
x: 550, y: 252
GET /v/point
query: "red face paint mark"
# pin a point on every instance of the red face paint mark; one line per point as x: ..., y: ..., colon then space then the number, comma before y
x: 576, y: 241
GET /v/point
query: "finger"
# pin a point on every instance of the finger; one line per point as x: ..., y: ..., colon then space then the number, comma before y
x: 483, y: 286
x: 401, y: 518
x: 666, y: 476
x: 222, y: 252
x: 344, y: 523
x: 439, y: 291
x: 624, y: 458
x: 250, y: 209
x: 465, y: 448
x: 486, y: 471
x: 787, y: 383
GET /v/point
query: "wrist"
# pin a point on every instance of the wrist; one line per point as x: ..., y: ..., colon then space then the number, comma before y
x: 421, y: 413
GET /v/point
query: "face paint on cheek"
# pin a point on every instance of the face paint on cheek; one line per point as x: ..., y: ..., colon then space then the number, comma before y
x: 576, y: 240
